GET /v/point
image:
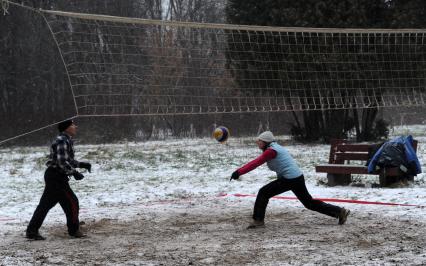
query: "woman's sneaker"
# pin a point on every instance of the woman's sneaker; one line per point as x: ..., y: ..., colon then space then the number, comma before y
x: 343, y: 216
x: 256, y: 224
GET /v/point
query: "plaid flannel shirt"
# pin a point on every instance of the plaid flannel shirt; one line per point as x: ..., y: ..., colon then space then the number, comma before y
x: 62, y: 155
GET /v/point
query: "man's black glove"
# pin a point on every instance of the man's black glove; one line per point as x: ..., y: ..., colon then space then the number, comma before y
x: 87, y: 166
x: 235, y: 175
x: 78, y: 175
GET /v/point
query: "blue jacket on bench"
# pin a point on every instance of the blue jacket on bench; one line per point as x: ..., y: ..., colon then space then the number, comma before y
x: 410, y: 154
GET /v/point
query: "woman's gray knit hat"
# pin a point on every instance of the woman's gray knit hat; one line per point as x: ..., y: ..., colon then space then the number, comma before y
x: 266, y: 136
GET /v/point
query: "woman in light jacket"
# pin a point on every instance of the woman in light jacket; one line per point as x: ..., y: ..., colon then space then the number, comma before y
x: 289, y: 177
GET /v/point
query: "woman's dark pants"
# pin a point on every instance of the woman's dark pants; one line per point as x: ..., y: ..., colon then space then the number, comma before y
x: 298, y: 187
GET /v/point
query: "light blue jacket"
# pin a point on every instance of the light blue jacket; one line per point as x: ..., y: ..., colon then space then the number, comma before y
x: 283, y: 164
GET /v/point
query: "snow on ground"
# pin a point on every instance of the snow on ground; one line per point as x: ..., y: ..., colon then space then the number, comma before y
x: 163, y: 202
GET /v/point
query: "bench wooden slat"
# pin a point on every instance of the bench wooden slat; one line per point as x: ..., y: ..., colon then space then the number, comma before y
x: 362, y: 147
x: 341, y: 169
x: 359, y: 156
x: 353, y: 169
x: 353, y: 147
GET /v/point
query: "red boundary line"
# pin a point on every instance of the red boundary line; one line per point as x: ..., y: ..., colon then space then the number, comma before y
x: 5, y: 219
x: 332, y: 200
x: 221, y: 195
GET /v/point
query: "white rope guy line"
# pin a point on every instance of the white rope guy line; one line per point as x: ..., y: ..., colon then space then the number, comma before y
x: 35, y: 130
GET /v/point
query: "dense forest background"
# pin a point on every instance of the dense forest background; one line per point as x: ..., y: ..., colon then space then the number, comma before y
x: 34, y: 91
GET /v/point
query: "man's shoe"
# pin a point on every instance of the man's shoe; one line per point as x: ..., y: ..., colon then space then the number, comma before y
x: 78, y: 234
x: 256, y: 224
x: 343, y: 216
x: 34, y: 235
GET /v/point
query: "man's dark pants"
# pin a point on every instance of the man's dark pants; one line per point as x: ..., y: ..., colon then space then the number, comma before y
x: 57, y: 189
x: 298, y: 187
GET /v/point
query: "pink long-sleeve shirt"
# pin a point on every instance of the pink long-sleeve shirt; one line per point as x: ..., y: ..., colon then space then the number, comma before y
x: 267, y: 155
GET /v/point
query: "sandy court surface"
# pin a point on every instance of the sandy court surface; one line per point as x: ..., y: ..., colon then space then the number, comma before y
x: 212, y: 232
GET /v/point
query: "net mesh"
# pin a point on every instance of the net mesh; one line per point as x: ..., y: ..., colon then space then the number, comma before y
x: 125, y: 66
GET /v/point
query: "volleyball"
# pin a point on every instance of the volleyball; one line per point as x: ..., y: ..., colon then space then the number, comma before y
x: 221, y: 134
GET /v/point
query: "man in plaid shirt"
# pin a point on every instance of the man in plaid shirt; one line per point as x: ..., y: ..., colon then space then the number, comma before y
x: 61, y: 164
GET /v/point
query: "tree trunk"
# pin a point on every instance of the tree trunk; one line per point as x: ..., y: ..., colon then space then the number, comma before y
x: 367, y: 122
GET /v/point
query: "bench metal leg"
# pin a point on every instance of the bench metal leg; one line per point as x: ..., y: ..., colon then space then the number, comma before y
x: 339, y: 179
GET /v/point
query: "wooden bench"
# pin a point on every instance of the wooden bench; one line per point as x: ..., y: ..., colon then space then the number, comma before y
x: 339, y: 168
